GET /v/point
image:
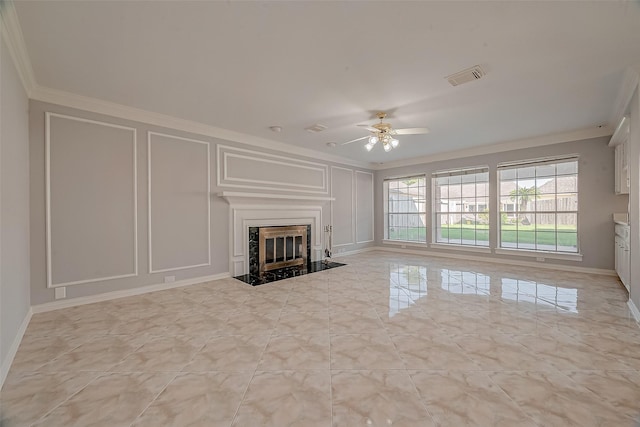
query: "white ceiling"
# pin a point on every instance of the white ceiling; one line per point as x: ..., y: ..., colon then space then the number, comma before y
x: 244, y: 66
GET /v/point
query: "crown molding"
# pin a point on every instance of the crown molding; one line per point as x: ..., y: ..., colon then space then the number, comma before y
x: 108, y: 108
x: 629, y: 84
x: 539, y: 141
x: 12, y: 35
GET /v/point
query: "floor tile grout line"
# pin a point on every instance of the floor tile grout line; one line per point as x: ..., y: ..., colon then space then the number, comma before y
x: 155, y: 398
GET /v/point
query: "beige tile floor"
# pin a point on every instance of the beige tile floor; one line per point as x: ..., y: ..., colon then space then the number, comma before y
x: 386, y: 340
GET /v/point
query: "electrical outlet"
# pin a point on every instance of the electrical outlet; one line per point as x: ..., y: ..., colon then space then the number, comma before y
x: 540, y: 259
x: 169, y: 279
x: 60, y: 292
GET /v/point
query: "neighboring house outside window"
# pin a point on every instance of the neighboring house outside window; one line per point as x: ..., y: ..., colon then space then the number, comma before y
x: 539, y: 205
x: 405, y: 209
x: 461, y: 200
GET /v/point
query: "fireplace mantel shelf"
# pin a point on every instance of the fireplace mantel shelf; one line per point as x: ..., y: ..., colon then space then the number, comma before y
x: 234, y: 196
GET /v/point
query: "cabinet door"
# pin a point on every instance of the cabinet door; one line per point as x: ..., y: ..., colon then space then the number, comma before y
x: 618, y: 169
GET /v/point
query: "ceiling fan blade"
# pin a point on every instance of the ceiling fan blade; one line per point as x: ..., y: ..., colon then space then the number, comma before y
x: 354, y: 140
x: 369, y: 128
x: 411, y: 131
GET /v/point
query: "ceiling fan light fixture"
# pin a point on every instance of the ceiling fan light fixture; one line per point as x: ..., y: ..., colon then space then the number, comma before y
x: 394, y: 142
x: 373, y: 140
x: 369, y: 146
x: 387, y: 147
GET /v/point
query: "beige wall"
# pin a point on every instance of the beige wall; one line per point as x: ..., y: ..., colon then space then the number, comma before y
x: 597, y: 200
x: 110, y: 233
x: 14, y: 207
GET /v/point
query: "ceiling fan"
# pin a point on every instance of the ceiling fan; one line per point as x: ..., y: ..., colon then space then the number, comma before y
x: 384, y: 133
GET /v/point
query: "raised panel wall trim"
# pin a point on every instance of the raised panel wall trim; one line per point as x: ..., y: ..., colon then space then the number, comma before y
x: 371, y: 208
x: 353, y: 201
x: 50, y: 284
x: 225, y: 179
x: 149, y: 210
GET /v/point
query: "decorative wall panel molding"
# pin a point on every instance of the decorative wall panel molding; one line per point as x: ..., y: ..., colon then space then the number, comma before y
x: 343, y: 216
x: 251, y: 169
x: 91, y: 200
x: 364, y: 207
x: 179, y: 186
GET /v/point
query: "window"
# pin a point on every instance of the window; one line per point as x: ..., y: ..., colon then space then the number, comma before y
x: 405, y: 209
x: 460, y: 202
x: 539, y: 205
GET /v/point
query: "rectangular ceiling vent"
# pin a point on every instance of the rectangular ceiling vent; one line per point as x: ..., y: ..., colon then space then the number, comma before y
x: 466, y: 76
x: 316, y: 128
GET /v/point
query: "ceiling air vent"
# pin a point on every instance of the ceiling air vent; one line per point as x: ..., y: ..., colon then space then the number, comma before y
x: 465, y: 76
x: 315, y: 128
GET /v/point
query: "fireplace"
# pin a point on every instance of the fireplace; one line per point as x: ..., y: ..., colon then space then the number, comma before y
x: 278, y: 248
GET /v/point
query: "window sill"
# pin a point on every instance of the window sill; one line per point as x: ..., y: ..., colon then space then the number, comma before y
x: 539, y: 254
x: 454, y: 247
x: 405, y: 243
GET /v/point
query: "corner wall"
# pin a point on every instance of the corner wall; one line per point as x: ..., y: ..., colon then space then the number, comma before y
x: 14, y: 210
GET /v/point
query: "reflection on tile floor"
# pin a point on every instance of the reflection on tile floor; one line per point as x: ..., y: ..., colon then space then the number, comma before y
x: 385, y: 340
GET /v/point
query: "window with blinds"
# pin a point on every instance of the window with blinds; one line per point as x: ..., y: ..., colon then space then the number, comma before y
x: 539, y: 205
x: 405, y: 210
x: 461, y: 206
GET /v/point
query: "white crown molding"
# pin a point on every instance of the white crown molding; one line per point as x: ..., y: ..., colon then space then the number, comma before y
x: 12, y: 35
x: 539, y: 141
x: 629, y: 84
x: 99, y: 106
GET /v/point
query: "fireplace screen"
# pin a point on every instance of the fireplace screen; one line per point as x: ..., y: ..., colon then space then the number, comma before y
x: 282, y: 247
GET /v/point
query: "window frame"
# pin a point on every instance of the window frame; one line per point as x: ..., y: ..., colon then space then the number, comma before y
x: 486, y: 202
x: 535, y: 251
x: 387, y: 212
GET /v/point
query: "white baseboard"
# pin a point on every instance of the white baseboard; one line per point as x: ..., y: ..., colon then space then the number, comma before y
x: 55, y: 305
x: 634, y: 310
x: 6, y: 364
x: 354, y: 252
x: 459, y: 256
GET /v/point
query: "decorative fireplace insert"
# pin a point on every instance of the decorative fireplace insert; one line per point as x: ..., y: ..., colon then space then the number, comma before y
x: 281, y: 247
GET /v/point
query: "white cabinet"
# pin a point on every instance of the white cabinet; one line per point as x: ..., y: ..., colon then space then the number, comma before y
x: 622, y: 254
x: 619, y: 140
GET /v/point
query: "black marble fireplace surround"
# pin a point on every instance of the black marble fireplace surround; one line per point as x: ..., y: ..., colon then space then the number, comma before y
x: 254, y: 278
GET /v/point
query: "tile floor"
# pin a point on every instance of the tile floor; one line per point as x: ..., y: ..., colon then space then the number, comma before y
x: 386, y: 340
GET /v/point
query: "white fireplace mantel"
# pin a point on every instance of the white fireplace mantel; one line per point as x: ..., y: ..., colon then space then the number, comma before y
x: 268, y: 209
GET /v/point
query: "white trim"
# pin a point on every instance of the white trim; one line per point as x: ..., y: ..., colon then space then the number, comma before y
x: 539, y: 141
x: 13, y: 349
x: 50, y: 283
x: 560, y: 267
x: 634, y: 310
x: 625, y: 92
x: 467, y: 248
x: 259, y: 156
x: 405, y: 243
x: 12, y: 35
x: 149, y: 232
x: 354, y: 252
x: 107, y: 296
x: 226, y: 155
x: 234, y: 196
x: 373, y: 221
x: 538, y: 254
x: 353, y: 197
x: 121, y: 111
